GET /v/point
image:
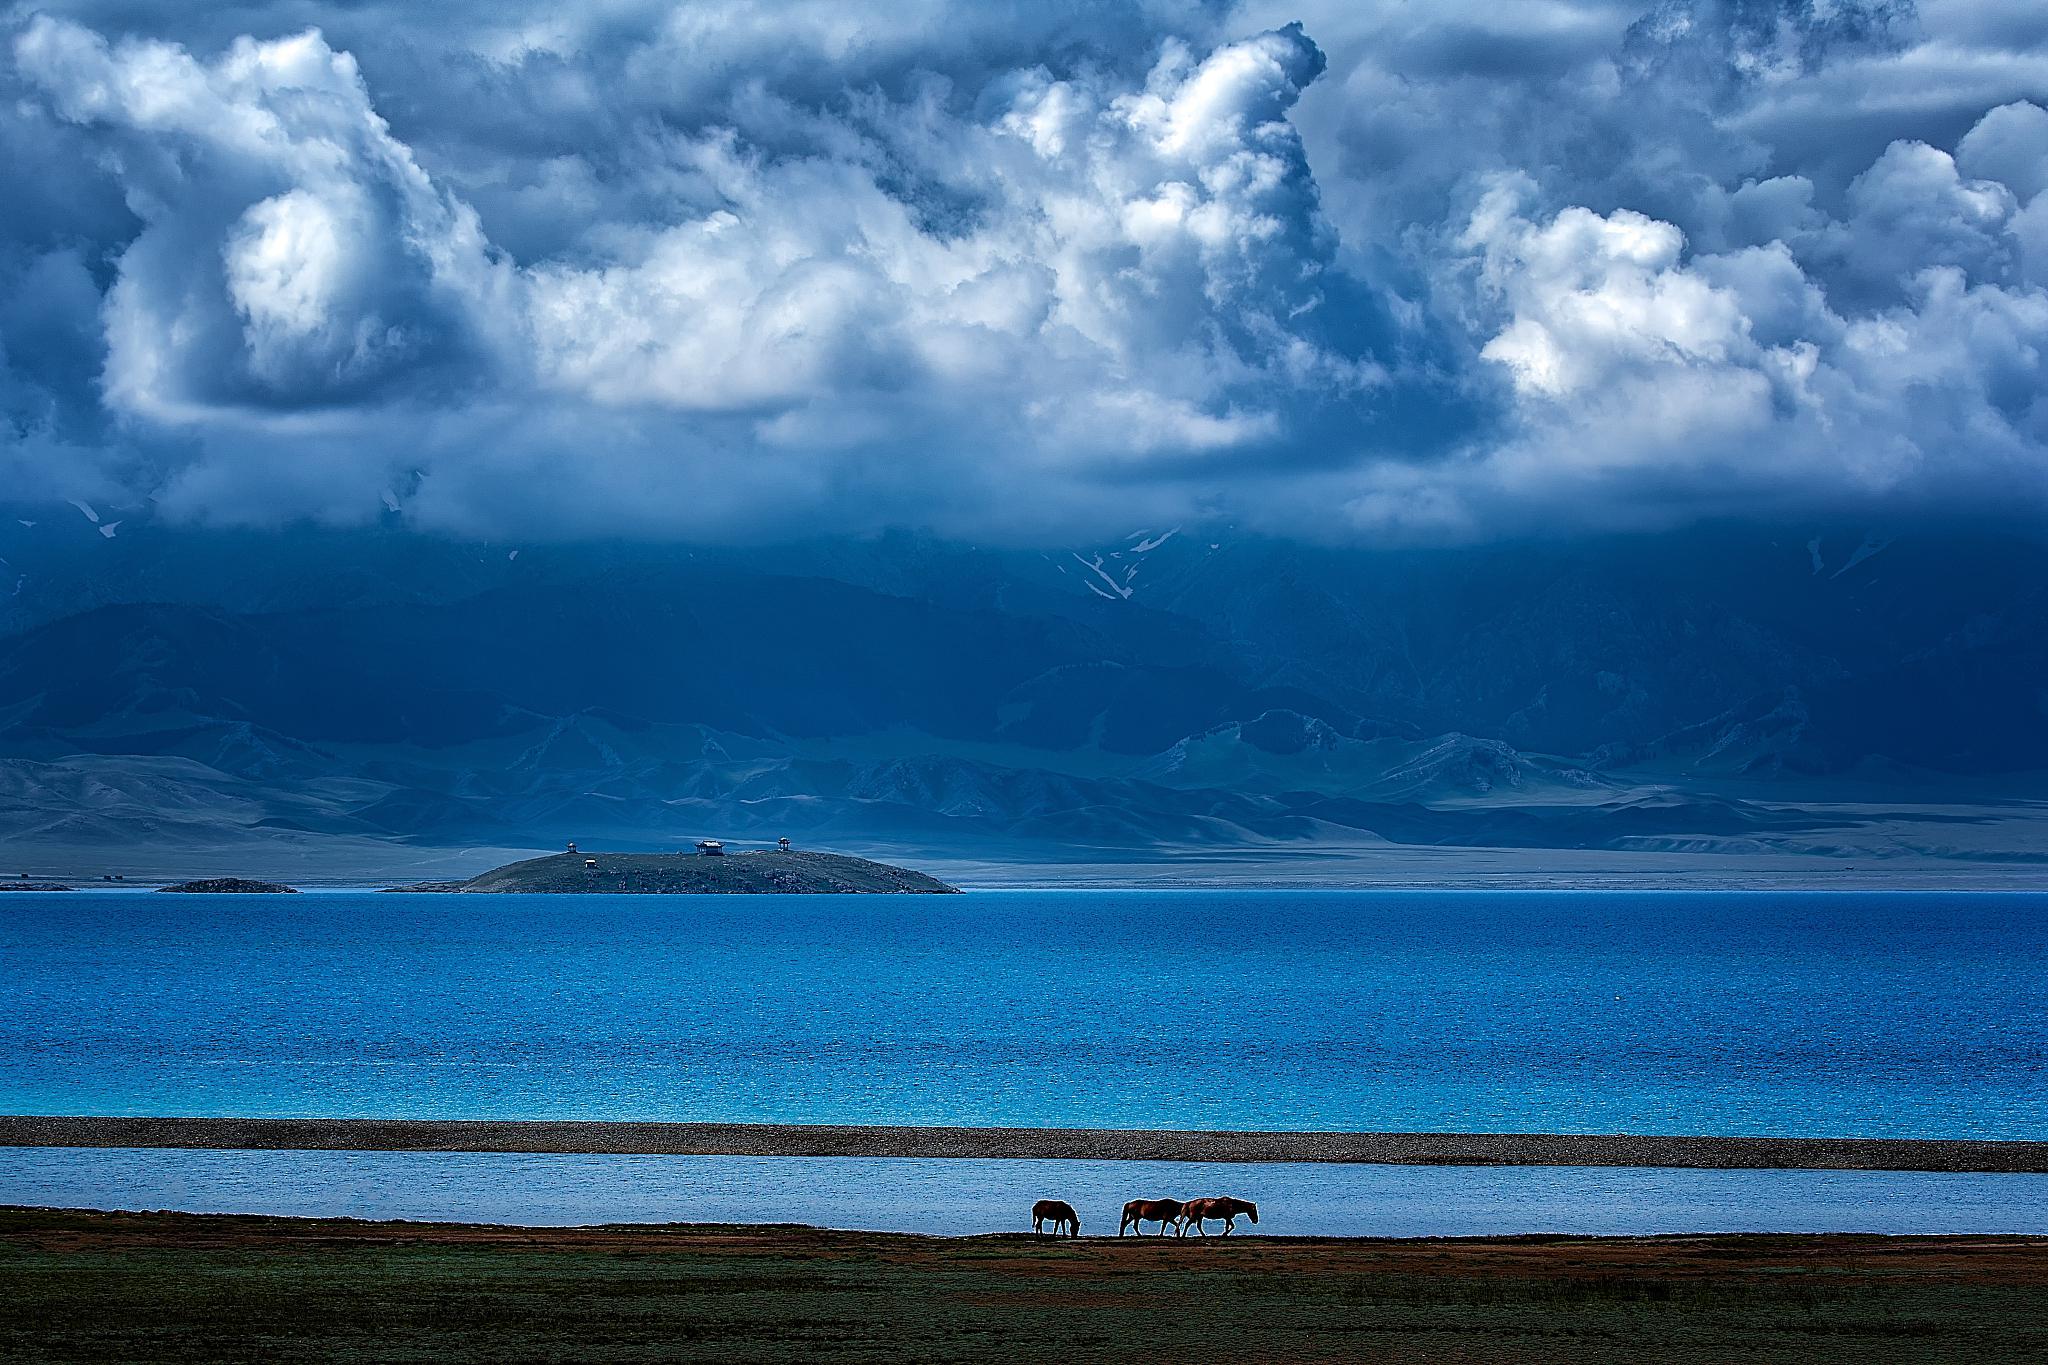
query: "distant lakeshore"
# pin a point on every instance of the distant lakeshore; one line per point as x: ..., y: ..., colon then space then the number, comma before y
x: 707, y: 871
x: 338, y: 864
x: 1097, y: 1144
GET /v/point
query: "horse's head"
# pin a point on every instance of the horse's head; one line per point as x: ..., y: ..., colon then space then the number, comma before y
x: 1252, y: 1209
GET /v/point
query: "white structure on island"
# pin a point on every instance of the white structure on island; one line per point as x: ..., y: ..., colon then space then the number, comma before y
x: 710, y: 848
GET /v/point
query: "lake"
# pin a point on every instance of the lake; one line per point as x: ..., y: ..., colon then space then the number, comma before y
x: 1855, y: 1014
x: 968, y: 1196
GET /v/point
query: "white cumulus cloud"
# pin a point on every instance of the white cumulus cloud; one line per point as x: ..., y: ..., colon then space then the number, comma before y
x: 1013, y: 270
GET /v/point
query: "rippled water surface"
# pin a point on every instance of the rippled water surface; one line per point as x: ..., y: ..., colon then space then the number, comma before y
x: 1838, y: 1013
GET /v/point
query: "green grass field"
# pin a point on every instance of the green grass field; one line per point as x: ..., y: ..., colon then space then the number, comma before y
x: 164, y: 1287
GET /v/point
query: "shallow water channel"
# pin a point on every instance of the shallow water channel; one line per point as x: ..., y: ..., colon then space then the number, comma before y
x: 971, y: 1196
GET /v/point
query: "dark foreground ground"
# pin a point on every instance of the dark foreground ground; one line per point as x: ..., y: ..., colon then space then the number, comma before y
x: 175, y: 1287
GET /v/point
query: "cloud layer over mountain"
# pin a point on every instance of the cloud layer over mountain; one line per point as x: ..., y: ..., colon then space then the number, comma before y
x: 1350, y: 271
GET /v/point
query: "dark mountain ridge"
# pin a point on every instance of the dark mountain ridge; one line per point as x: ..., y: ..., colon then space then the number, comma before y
x: 1178, y: 689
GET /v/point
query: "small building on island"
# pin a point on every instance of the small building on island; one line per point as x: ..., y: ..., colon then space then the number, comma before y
x: 783, y: 843
x: 710, y: 848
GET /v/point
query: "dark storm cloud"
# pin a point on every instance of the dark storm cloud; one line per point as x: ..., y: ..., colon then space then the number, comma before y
x: 1016, y: 269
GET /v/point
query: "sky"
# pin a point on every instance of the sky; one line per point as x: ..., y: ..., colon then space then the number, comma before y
x: 1350, y: 270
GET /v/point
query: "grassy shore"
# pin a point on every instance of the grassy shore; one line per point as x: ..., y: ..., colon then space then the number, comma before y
x: 175, y: 1287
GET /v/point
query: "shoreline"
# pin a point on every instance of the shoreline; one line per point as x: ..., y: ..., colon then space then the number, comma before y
x: 343, y: 866
x: 204, y: 1228
x: 1989, y: 879
x: 628, y: 1138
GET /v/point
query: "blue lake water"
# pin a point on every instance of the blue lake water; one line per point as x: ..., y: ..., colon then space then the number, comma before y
x: 1828, y: 1013
x: 949, y: 1196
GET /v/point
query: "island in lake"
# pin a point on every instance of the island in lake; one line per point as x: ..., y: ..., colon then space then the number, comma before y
x: 236, y: 886
x: 785, y: 871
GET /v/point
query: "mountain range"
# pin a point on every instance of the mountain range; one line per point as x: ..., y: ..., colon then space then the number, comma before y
x: 1806, y: 691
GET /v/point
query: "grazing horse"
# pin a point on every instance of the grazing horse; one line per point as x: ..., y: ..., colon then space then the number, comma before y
x: 1199, y: 1211
x: 1059, y: 1213
x: 1139, y: 1212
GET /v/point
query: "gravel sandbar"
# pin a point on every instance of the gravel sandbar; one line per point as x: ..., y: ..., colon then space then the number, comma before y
x: 1094, y: 1144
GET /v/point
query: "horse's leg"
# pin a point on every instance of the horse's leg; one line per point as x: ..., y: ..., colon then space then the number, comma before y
x: 1229, y: 1223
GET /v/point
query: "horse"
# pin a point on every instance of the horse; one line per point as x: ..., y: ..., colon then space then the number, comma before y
x: 1139, y: 1212
x: 1199, y: 1211
x: 1059, y: 1213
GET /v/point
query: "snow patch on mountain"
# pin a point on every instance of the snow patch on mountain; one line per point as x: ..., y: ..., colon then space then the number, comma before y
x: 1872, y: 544
x: 1117, y: 591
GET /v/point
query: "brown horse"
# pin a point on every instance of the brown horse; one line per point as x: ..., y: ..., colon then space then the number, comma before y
x: 1059, y: 1213
x: 1199, y: 1211
x: 1139, y: 1212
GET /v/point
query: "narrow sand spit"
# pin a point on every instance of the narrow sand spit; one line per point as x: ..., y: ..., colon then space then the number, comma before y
x: 1093, y: 1144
